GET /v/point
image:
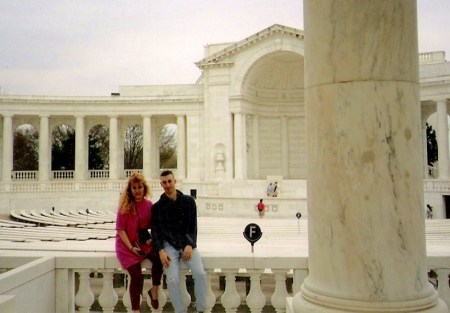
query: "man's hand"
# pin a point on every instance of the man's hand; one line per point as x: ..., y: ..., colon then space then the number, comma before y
x: 187, y: 253
x: 164, y: 257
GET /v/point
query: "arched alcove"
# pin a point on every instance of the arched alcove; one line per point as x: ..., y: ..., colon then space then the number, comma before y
x: 168, y: 146
x: 26, y: 148
x: 98, y: 147
x: 432, y: 133
x: 133, y: 147
x: 63, y: 148
x: 273, y: 93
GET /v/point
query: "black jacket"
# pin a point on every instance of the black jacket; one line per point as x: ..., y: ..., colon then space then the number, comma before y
x: 174, y: 222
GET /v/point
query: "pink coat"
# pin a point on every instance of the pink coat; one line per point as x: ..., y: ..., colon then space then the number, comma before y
x: 129, y: 223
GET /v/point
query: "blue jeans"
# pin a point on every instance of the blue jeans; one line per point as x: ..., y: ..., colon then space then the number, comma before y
x: 172, y: 272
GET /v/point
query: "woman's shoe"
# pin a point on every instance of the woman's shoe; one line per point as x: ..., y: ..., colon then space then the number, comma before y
x: 154, y: 302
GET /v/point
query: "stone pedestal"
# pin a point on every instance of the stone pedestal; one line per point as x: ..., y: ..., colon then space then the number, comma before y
x: 365, y: 193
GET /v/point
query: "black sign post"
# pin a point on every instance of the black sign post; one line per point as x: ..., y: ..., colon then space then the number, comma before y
x: 252, y: 233
x: 298, y: 215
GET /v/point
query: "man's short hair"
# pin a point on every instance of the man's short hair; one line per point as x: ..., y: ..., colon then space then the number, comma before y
x: 166, y: 173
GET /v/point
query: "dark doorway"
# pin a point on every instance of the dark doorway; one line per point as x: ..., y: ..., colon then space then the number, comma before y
x: 447, y: 206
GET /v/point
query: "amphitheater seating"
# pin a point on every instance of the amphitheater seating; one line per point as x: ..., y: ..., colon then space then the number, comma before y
x: 79, y: 225
x: 52, y: 225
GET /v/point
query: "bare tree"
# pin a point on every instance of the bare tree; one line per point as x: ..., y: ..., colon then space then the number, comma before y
x: 133, y: 147
x: 168, y: 146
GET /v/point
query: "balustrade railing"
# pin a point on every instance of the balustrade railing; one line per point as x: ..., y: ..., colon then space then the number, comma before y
x: 99, y: 174
x: 229, y: 298
x: 97, y: 284
x: 99, y: 180
x: 24, y: 175
x: 65, y: 174
x: 437, y: 185
x: 250, y: 293
x: 432, y: 57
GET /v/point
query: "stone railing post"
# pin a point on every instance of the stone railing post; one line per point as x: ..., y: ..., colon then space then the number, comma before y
x: 210, y: 297
x: 278, y: 298
x: 108, y: 297
x: 230, y: 298
x: 255, y: 299
x: 65, y: 290
x: 84, y: 298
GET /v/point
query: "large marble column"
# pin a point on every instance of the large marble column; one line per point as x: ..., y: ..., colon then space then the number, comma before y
x: 365, y: 194
x: 442, y: 134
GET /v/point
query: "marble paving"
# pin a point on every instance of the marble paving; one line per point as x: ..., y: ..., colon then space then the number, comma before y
x: 216, y: 237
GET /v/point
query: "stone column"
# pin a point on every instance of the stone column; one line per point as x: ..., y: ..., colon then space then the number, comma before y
x: 181, y: 147
x: 147, y: 146
x: 255, y: 144
x: 7, y: 157
x: 365, y: 193
x: 44, y: 149
x: 113, y: 148
x: 239, y: 146
x: 284, y: 147
x: 442, y: 137
x: 194, y: 157
x: 230, y: 153
x: 80, y: 149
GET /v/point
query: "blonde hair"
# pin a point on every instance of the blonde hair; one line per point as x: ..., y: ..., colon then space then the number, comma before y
x: 126, y: 200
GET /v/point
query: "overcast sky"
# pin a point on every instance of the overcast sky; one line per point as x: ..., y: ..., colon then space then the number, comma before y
x: 91, y: 47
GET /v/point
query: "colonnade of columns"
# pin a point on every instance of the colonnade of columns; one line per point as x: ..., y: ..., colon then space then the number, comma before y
x: 150, y: 154
x: 187, y: 125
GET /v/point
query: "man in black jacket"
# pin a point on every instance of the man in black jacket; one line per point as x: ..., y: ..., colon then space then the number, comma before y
x: 174, y: 226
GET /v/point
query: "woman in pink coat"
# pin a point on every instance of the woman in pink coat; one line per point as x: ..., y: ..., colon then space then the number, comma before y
x: 134, y: 213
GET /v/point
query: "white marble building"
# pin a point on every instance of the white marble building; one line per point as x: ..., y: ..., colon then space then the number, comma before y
x: 241, y: 126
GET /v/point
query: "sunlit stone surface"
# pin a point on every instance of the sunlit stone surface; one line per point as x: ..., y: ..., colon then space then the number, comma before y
x: 365, y: 194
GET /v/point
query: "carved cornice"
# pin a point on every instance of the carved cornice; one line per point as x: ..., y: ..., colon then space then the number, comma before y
x: 216, y: 59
